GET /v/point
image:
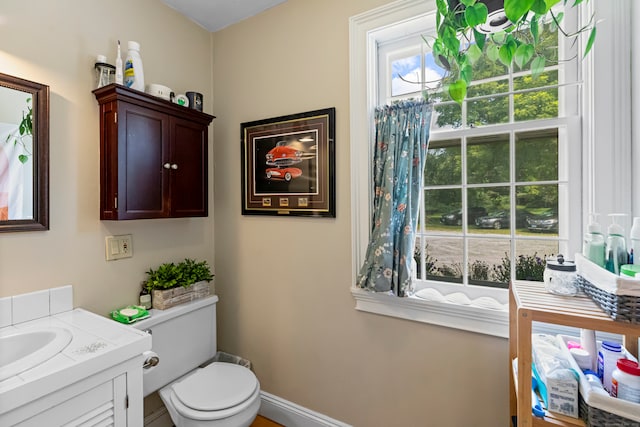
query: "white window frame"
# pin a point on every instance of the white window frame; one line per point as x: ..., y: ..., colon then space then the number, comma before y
x: 608, y: 118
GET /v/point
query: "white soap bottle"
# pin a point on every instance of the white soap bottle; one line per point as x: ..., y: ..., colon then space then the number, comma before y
x: 634, y: 241
x: 593, y: 247
x: 133, y: 72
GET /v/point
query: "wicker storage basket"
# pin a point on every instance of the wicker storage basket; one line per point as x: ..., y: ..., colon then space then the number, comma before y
x: 601, y: 410
x: 618, y: 296
x: 167, y: 298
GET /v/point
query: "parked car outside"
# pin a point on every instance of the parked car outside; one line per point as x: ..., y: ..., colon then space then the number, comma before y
x: 501, y: 219
x: 455, y: 217
x: 545, y: 222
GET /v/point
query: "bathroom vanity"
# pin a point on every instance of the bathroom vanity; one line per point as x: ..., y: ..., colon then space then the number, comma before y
x: 96, y: 379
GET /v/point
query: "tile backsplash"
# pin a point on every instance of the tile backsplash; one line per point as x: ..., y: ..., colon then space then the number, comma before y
x: 34, y: 305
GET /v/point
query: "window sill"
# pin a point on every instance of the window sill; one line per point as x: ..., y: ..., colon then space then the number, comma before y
x: 472, y: 319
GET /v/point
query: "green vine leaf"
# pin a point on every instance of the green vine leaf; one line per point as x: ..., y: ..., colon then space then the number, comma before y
x: 537, y: 66
x: 474, y: 53
x: 506, y: 52
x: 592, y: 39
x: 450, y: 39
x: 523, y: 55
x: 492, y: 52
x: 480, y: 39
x: 476, y: 14
x: 458, y: 90
x: 442, y: 7
x: 23, y: 158
x: 535, y: 30
x: 516, y: 9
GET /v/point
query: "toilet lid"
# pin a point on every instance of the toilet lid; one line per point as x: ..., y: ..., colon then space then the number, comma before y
x: 216, y: 387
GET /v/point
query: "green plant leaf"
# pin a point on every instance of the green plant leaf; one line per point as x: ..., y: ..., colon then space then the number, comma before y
x: 450, y: 39
x: 467, y: 3
x: 516, y: 9
x: 499, y: 37
x: 537, y: 66
x: 506, y: 52
x: 442, y: 7
x: 492, y: 52
x: 474, y: 53
x: 458, y: 90
x: 466, y: 73
x: 479, y: 38
x: 476, y: 14
x: 523, y: 55
x: 592, y: 39
x: 535, y: 30
x: 23, y: 158
x: 540, y: 7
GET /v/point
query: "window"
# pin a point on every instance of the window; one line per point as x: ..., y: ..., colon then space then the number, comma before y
x: 513, y: 151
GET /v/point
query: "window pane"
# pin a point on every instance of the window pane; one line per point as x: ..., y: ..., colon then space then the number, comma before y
x: 540, y: 203
x: 488, y: 159
x: 445, y: 254
x: 442, y: 209
x: 405, y: 75
x: 541, y: 104
x: 496, y: 201
x: 491, y: 110
x: 537, y: 156
x: 531, y: 256
x: 447, y: 116
x: 443, y: 165
x: 486, y: 262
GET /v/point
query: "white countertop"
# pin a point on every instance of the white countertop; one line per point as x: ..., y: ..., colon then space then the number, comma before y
x: 98, y: 343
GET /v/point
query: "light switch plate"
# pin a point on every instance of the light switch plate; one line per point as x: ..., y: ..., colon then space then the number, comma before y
x: 118, y: 247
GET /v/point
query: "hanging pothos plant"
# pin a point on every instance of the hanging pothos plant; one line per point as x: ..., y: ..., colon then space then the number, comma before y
x: 466, y: 30
x: 25, y: 129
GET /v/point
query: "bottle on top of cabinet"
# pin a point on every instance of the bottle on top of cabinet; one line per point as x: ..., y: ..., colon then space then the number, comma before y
x: 634, y: 242
x: 616, y: 247
x: 593, y: 246
x: 133, y: 72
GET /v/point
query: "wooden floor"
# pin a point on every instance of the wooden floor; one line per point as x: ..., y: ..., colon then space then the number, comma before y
x: 264, y: 422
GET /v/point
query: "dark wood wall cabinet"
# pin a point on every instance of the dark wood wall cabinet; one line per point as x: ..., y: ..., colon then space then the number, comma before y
x: 153, y: 156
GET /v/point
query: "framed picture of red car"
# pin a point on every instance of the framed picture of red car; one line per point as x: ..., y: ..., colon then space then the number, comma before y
x: 288, y: 165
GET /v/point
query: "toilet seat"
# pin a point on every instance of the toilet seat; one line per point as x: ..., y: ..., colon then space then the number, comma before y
x: 219, y: 390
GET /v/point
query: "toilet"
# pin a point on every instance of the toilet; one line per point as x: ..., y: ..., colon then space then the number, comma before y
x: 196, y: 391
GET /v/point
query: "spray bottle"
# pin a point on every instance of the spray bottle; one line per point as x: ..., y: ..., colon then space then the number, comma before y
x: 616, y: 247
x: 593, y: 246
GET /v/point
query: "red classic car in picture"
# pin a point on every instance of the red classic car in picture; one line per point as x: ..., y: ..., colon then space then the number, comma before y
x: 281, y: 158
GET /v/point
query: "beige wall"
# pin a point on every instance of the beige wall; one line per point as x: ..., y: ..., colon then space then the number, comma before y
x: 55, y: 43
x: 284, y: 282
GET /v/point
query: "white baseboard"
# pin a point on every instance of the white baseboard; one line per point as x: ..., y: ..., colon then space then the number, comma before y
x: 273, y: 407
x: 291, y: 415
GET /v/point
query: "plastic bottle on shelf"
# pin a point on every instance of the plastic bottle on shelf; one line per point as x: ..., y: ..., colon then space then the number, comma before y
x: 594, y: 382
x: 119, y: 72
x: 625, y: 381
x: 616, y: 247
x: 588, y: 342
x: 634, y: 242
x: 593, y: 246
x: 133, y: 72
x: 608, y: 356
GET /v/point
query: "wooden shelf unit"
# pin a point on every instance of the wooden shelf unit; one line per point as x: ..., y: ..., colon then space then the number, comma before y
x: 529, y: 302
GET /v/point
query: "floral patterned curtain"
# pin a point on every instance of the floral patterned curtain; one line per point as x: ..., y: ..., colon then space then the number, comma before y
x: 401, y: 139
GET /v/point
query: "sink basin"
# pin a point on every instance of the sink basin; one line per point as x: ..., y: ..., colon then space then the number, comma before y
x: 23, y: 350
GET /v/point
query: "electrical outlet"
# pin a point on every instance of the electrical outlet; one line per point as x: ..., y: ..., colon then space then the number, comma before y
x: 118, y: 247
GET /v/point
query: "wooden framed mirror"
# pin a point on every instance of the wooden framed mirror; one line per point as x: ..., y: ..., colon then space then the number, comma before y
x: 24, y: 155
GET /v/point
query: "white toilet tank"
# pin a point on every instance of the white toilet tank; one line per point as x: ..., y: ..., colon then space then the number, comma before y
x: 184, y: 337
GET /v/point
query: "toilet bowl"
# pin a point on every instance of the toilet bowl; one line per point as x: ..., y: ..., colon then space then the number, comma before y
x: 218, y: 395
x: 196, y: 389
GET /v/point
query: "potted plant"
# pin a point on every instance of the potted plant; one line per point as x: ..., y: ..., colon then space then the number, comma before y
x: 172, y: 284
x: 507, y: 31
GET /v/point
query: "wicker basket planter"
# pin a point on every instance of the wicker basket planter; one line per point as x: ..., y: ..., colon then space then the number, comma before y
x: 167, y: 298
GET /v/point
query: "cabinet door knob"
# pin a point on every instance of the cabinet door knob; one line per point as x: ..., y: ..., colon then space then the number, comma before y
x: 174, y: 166
x: 166, y: 165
